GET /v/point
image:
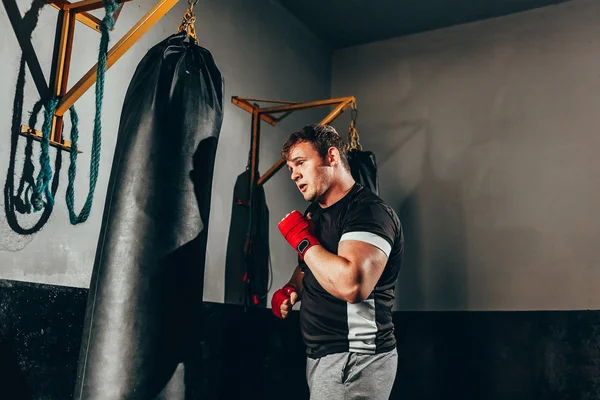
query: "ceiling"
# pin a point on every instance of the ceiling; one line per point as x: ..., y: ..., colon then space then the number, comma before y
x: 344, y: 23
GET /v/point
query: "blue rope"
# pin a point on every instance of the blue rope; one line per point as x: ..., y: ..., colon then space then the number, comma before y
x: 106, y: 26
x: 45, y: 174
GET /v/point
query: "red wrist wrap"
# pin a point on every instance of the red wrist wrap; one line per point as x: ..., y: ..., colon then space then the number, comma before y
x: 295, y: 229
x: 278, y: 297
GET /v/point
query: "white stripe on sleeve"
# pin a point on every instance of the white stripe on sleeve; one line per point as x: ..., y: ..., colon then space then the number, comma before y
x: 370, y: 238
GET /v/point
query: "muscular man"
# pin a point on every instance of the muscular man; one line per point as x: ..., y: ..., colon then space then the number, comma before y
x: 350, y: 246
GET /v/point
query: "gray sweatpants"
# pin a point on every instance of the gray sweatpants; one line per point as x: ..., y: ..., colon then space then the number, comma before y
x: 352, y: 376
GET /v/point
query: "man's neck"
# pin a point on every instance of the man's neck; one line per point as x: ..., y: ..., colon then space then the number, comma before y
x: 337, y: 191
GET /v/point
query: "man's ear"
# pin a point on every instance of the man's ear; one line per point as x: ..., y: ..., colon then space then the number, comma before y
x: 333, y: 155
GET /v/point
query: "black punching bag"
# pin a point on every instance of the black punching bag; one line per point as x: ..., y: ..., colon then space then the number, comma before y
x: 363, y: 167
x: 144, y: 300
x: 247, y: 265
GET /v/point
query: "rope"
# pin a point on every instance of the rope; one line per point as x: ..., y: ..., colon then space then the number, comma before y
x: 106, y: 25
x: 45, y: 174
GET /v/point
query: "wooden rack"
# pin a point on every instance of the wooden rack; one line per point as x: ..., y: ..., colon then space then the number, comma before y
x: 266, y: 114
x: 70, y: 14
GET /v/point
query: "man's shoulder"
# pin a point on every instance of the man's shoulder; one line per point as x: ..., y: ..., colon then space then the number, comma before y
x: 365, y: 205
x: 364, y: 197
x: 369, y: 213
x: 364, y: 194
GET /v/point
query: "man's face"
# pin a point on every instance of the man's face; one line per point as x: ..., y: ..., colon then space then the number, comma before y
x: 311, y: 174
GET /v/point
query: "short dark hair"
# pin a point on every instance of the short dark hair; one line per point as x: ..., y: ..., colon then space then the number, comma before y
x: 322, y: 137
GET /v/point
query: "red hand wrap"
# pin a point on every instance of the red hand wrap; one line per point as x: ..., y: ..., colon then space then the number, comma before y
x: 278, y: 297
x: 295, y: 229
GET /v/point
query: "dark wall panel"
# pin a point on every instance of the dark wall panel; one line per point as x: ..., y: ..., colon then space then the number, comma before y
x: 250, y: 354
x: 40, y: 332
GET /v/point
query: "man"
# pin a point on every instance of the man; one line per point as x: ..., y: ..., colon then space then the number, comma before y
x: 350, y: 246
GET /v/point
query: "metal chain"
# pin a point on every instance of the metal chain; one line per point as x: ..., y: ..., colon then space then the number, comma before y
x: 353, y: 140
x: 189, y: 20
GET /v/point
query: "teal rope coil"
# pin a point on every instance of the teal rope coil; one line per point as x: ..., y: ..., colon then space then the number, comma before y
x: 106, y: 25
x: 45, y: 174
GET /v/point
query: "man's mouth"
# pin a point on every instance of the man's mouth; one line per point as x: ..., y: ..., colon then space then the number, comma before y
x: 302, y: 186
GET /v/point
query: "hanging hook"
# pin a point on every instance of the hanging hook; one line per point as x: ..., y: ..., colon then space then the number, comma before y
x: 189, y: 19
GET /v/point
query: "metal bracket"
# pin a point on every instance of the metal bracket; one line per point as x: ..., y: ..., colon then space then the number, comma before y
x: 70, y: 13
x: 266, y: 114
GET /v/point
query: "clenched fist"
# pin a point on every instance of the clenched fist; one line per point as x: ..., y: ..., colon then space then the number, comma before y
x: 283, y: 300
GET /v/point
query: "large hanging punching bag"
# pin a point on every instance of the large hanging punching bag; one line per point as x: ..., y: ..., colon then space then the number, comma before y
x: 147, y: 280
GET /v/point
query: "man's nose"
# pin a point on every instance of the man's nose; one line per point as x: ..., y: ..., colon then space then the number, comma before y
x: 295, y: 175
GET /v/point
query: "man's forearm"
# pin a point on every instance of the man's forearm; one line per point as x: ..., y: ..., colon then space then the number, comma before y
x: 334, y: 273
x: 296, y: 280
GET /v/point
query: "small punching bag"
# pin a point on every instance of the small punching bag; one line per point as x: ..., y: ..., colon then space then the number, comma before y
x: 363, y: 164
x: 247, y: 265
x: 146, y: 289
x: 363, y: 167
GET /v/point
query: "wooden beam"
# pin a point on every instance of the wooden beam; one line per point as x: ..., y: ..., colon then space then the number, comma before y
x: 85, y: 18
x: 244, y: 104
x: 343, y: 104
x: 115, y: 53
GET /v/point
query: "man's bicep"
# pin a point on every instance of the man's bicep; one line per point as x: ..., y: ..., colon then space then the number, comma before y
x: 359, y: 253
x: 368, y: 234
x: 368, y: 263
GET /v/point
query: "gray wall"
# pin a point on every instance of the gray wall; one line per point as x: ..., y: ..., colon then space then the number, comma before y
x: 487, y: 141
x: 261, y: 50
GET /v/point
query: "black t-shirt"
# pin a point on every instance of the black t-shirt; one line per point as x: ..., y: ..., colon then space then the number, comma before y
x: 330, y: 325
